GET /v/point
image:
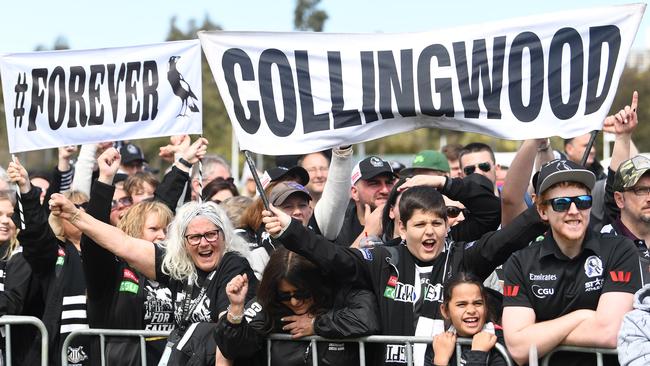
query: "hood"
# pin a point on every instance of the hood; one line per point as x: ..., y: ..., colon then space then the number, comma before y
x: 642, y: 298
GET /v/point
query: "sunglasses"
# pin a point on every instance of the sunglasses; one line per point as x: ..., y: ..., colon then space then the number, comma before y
x: 210, y: 236
x: 562, y: 204
x: 486, y: 167
x: 298, y: 295
x: 81, y: 205
x: 453, y: 211
x: 124, y: 202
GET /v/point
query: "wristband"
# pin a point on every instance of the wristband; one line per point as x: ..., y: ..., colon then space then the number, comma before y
x: 186, y: 163
x: 236, y: 319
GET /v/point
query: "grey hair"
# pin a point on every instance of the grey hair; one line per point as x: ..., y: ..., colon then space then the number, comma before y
x: 208, y: 163
x: 177, y: 262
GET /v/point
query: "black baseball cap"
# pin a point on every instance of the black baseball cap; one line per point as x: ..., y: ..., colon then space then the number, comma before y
x: 280, y: 171
x: 131, y: 153
x: 371, y: 167
x: 558, y: 170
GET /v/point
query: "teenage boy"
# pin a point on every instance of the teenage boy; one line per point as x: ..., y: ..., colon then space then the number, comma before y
x: 572, y: 287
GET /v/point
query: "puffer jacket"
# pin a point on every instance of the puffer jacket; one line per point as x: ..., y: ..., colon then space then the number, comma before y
x: 634, y: 336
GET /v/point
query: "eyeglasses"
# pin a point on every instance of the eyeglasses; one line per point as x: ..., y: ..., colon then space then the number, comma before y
x: 124, y: 202
x: 485, y: 166
x: 453, y: 211
x: 298, y: 295
x: 639, y: 191
x: 210, y: 236
x: 561, y: 204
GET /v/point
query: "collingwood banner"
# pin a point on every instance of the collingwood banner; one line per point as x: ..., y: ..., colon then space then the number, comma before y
x: 73, y: 97
x: 293, y: 93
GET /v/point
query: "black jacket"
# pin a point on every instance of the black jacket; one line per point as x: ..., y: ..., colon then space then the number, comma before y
x: 116, y: 292
x: 354, y: 314
x: 175, y: 184
x: 55, y: 267
x: 390, y: 273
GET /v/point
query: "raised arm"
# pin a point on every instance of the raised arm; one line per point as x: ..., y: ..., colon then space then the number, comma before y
x: 330, y: 209
x: 138, y: 253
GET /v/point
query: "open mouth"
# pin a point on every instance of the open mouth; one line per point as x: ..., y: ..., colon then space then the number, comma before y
x: 429, y: 244
x: 206, y: 253
x: 471, y: 322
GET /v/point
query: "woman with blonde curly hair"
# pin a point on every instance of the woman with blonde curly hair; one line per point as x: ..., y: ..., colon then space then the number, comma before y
x: 119, y: 296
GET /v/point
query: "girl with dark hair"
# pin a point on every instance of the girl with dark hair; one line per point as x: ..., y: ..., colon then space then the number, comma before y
x: 468, y: 314
x: 219, y: 190
x: 294, y: 297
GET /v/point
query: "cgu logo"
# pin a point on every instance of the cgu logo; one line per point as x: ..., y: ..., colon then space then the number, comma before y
x: 541, y: 292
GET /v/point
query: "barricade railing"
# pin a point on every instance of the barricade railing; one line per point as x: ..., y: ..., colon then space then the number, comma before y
x: 9, y: 320
x: 598, y: 351
x: 103, y: 333
x: 407, y: 341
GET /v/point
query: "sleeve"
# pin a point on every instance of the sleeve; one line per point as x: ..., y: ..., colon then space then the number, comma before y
x: 100, y: 266
x: 161, y: 277
x: 16, y: 284
x: 622, y: 269
x: 232, y: 266
x: 341, y: 262
x: 172, y: 187
x: 355, y: 318
x: 330, y: 209
x: 514, y: 286
x: 83, y: 170
x: 612, y: 212
x: 245, y: 339
x: 40, y: 246
x: 494, y: 248
x: 485, y: 208
x: 61, y: 182
x: 476, y: 358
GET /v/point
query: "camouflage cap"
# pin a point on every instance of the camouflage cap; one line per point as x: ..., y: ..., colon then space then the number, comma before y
x: 630, y: 171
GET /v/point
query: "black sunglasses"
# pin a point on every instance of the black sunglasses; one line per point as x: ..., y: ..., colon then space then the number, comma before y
x: 298, y: 295
x: 81, y: 205
x: 561, y: 204
x: 486, y: 167
x: 453, y: 211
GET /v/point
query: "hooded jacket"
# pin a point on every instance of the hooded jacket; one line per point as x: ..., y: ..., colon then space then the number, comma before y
x: 390, y: 274
x: 634, y: 336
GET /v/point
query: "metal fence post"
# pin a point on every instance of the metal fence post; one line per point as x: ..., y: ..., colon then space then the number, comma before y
x: 8, y: 320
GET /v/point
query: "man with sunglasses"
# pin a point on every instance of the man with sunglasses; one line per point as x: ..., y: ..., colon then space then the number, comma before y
x: 479, y: 158
x: 572, y: 286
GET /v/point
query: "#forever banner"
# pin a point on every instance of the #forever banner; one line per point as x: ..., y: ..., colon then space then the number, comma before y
x: 62, y: 98
x: 545, y: 75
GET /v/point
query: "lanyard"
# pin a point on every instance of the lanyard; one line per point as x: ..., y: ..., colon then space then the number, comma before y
x: 187, y: 310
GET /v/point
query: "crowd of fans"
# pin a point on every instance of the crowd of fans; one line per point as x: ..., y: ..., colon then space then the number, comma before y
x: 543, y: 253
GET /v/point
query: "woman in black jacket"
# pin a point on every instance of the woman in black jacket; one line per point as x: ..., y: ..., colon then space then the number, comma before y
x: 294, y: 297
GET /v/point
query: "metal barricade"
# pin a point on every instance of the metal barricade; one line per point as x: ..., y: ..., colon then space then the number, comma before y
x: 9, y: 320
x: 408, y: 341
x: 102, y: 333
x: 598, y: 351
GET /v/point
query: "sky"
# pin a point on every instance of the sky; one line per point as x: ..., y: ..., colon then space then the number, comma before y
x: 24, y: 25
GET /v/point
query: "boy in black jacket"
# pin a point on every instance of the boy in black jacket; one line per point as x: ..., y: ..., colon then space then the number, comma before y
x: 407, y: 280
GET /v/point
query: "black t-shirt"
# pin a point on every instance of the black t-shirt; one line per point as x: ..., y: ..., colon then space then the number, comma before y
x: 541, y: 277
x: 206, y: 308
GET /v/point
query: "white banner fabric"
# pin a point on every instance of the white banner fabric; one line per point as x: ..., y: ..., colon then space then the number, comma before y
x: 59, y: 98
x: 539, y: 76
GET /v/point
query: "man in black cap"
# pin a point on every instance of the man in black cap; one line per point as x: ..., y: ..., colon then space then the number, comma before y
x: 132, y: 159
x: 372, y: 179
x: 572, y: 286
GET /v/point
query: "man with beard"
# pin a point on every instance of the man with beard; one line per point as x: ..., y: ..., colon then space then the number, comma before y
x: 372, y: 179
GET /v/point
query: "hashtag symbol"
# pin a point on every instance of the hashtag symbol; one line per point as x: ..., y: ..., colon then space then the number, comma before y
x: 19, y: 110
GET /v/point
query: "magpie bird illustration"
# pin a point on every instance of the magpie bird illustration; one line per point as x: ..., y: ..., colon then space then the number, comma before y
x: 181, y: 88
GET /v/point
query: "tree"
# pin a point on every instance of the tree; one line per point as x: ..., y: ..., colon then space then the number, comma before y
x: 307, y: 17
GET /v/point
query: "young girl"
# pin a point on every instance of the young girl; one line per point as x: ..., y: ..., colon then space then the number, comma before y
x: 466, y: 311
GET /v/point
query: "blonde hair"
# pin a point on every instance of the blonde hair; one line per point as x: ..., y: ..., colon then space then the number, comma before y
x: 133, y: 221
x: 9, y: 195
x: 177, y: 262
x: 76, y: 197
